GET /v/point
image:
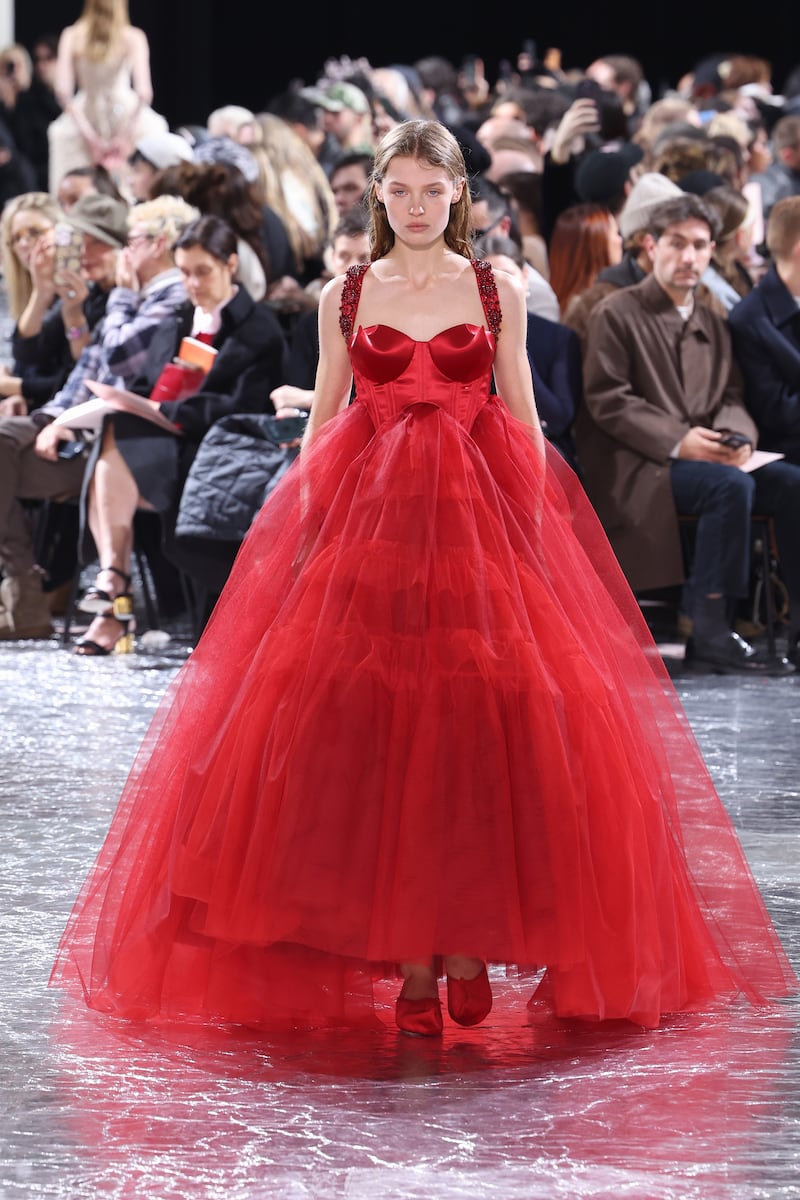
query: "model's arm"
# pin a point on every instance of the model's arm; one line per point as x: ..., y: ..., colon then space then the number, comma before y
x: 334, y: 374
x: 139, y: 49
x: 65, y: 83
x: 512, y: 372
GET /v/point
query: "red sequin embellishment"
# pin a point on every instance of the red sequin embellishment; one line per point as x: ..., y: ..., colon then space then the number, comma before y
x: 351, y: 294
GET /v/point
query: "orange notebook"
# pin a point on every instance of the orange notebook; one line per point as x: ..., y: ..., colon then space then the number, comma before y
x: 200, y: 354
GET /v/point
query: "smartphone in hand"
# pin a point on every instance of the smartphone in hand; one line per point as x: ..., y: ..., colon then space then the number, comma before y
x: 68, y: 249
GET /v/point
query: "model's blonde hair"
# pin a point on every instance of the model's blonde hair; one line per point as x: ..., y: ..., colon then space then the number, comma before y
x: 102, y: 23
x: 432, y: 143
x: 16, y: 277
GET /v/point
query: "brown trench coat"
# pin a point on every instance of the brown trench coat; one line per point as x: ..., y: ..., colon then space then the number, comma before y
x: 649, y: 376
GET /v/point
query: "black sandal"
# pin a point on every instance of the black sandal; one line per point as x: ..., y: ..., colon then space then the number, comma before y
x: 122, y: 644
x: 103, y: 604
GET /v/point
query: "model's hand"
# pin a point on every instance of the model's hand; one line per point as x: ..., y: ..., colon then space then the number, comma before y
x: 48, y: 439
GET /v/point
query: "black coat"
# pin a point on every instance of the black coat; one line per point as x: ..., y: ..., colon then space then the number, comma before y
x: 44, y: 361
x: 765, y: 327
x: 250, y: 362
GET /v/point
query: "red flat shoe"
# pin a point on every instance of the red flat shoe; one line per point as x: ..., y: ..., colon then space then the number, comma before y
x: 469, y: 1001
x: 419, y: 1018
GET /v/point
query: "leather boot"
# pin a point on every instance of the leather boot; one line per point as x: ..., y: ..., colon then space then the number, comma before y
x: 24, y: 612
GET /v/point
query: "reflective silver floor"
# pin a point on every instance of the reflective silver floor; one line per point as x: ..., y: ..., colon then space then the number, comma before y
x: 88, y: 1109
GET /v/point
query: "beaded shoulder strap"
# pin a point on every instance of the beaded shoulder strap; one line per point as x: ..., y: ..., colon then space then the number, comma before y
x: 351, y: 294
x: 488, y: 293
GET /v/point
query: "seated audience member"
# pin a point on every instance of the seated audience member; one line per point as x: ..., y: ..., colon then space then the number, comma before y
x: 607, y: 176
x: 585, y: 240
x: 349, y: 177
x: 765, y: 327
x: 554, y: 354
x: 219, y: 188
x: 492, y: 213
x: 33, y: 471
x: 727, y: 275
x: 782, y: 177
x: 523, y: 189
x: 297, y: 187
x: 348, y: 247
x: 150, y: 155
x: 137, y: 465
x: 82, y: 181
x: 27, y: 107
x: 655, y: 440
x: 27, y: 226
x: 648, y: 192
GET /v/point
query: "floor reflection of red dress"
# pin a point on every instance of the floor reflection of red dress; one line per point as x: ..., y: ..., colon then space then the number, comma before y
x: 696, y: 1109
x: 425, y: 718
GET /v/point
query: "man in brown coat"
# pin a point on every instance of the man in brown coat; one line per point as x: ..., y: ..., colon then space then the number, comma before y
x: 664, y: 431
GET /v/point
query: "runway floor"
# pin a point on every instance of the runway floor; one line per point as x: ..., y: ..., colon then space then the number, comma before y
x: 702, y: 1107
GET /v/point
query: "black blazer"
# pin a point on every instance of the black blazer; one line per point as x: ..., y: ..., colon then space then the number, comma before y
x: 250, y: 362
x: 765, y: 328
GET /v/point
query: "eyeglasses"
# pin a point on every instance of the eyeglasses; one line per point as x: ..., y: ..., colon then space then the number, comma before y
x: 140, y: 237
x: 481, y: 233
x: 30, y: 235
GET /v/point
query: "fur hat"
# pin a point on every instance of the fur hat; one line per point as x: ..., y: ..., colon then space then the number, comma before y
x: 650, y: 190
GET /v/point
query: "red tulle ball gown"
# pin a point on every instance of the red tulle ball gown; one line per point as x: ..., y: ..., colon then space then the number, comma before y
x: 425, y: 718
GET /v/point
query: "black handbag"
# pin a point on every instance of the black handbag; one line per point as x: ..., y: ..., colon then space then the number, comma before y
x: 238, y: 463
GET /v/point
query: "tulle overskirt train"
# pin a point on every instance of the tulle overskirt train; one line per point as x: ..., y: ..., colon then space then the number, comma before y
x: 426, y: 718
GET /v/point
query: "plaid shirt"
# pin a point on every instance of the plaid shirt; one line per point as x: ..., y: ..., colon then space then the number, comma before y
x: 121, y: 341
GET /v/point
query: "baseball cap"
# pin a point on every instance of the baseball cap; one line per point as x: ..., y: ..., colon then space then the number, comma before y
x: 601, y: 175
x: 650, y: 190
x: 101, y: 217
x: 336, y: 97
x: 164, y: 150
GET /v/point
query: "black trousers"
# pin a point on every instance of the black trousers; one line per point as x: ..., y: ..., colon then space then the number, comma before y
x: 723, y: 499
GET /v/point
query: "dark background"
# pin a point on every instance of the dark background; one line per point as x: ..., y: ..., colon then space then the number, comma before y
x: 205, y: 53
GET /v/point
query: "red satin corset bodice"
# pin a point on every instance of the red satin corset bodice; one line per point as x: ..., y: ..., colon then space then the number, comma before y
x: 392, y: 371
x: 452, y: 370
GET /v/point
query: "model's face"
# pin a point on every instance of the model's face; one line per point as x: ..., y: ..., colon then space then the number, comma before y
x: 208, y: 281
x: 27, y: 226
x: 418, y: 199
x: 681, y: 255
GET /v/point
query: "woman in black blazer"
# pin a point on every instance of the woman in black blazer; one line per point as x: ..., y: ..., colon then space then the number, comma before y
x: 137, y: 465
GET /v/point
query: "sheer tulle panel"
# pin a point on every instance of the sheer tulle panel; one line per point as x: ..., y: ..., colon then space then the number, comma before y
x: 419, y: 724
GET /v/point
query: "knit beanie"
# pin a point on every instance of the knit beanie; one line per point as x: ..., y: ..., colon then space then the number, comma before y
x: 647, y: 193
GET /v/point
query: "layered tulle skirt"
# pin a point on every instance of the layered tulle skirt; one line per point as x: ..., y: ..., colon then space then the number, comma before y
x: 426, y: 718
